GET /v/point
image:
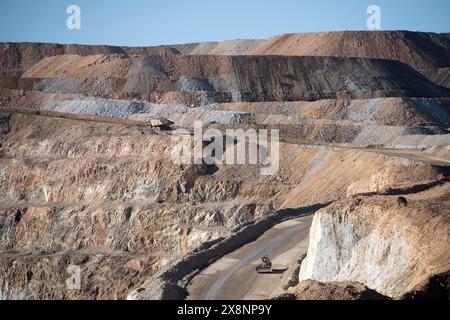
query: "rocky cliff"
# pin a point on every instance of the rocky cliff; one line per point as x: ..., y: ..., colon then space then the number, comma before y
x: 107, y: 197
x: 391, y: 244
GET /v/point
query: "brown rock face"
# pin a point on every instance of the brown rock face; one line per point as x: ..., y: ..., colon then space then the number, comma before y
x: 86, y: 186
x: 90, y: 192
x: 232, y: 78
x: 21, y: 56
x: 383, y: 243
x: 417, y: 49
x: 313, y: 290
x: 440, y: 76
x: 434, y: 288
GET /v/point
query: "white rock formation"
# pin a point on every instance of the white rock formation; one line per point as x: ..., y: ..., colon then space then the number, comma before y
x: 370, y: 245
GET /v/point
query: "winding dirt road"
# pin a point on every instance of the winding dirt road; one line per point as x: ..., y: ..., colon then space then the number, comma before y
x: 234, y: 277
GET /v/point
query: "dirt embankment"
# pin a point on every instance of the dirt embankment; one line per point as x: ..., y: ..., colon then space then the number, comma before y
x: 417, y: 49
x: 427, y: 52
x: 19, y: 57
x: 440, y: 76
x: 106, y: 196
x: 381, y: 111
x: 420, y: 50
x: 345, y: 290
x: 229, y: 79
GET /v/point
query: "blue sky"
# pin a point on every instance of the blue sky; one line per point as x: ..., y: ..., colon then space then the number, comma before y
x: 153, y: 22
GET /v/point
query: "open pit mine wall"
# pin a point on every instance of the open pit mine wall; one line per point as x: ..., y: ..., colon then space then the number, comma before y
x: 388, y: 246
x: 60, y: 204
x: 108, y: 199
x: 420, y: 50
x: 225, y: 78
x: 428, y: 53
x: 16, y: 58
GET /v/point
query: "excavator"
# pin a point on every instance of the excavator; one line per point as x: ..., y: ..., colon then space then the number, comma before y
x: 265, y: 266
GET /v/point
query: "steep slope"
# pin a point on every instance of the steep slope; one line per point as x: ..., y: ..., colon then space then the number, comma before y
x: 417, y: 49
x: 85, y: 182
x: 313, y: 290
x: 107, y: 197
x: 382, y: 111
x: 388, y: 243
x: 15, y: 58
x: 420, y: 50
x: 21, y: 56
x: 440, y: 76
x: 227, y: 47
x: 229, y: 78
